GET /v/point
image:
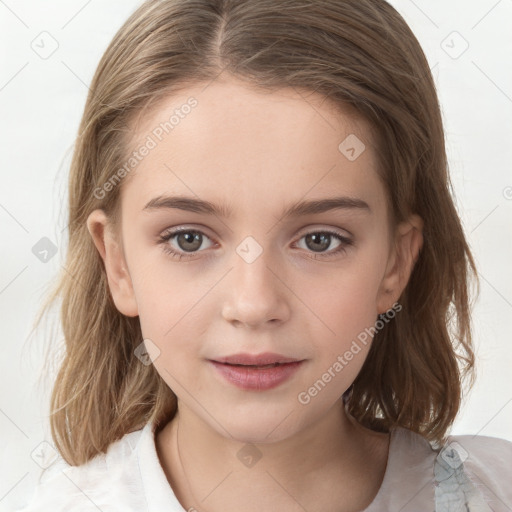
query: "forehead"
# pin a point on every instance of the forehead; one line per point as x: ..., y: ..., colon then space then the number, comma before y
x: 228, y: 142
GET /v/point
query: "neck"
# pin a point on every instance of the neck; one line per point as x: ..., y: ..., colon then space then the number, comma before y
x: 325, y: 462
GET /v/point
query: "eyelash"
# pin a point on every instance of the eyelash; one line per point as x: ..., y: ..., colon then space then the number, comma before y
x: 164, y: 238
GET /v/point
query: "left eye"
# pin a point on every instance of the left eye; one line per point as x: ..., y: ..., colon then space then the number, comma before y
x: 190, y: 241
x: 319, y: 241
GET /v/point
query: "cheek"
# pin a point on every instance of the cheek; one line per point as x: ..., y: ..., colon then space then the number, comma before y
x: 171, y: 313
x: 346, y: 306
x: 172, y: 324
x: 347, y: 299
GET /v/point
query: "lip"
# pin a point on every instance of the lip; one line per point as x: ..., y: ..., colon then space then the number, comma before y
x: 256, y: 359
x: 257, y: 378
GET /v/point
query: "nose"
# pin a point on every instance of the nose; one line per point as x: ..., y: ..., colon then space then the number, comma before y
x: 256, y: 293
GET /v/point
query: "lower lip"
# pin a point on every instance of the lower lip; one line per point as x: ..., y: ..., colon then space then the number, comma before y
x: 247, y: 377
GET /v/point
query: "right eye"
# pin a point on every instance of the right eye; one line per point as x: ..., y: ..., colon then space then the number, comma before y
x: 187, y: 242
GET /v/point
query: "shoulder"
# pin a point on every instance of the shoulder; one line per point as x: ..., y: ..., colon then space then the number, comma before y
x: 110, y: 481
x: 408, y: 483
x: 420, y: 475
x: 483, y: 450
x: 487, y: 461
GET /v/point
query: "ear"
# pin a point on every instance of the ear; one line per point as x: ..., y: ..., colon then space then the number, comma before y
x: 403, y: 255
x: 119, y: 280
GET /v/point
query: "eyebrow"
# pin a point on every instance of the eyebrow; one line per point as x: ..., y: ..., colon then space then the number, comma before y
x: 298, y: 209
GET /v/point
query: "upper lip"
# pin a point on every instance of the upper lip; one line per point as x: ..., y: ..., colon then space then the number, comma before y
x: 256, y: 359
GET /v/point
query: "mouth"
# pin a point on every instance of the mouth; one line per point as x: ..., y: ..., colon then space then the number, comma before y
x: 256, y: 377
x: 266, y: 359
x: 255, y: 366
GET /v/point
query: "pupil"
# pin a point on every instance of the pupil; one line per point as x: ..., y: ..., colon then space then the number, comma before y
x: 190, y: 238
x: 319, y: 241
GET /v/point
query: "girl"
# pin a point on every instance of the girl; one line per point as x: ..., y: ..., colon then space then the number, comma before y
x: 266, y: 298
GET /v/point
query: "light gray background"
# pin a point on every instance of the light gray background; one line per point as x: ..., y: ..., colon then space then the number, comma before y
x: 41, y: 101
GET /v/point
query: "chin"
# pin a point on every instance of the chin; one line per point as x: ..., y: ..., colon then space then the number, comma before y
x: 259, y: 427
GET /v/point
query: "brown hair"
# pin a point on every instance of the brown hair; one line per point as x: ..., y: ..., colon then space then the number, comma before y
x: 358, y: 53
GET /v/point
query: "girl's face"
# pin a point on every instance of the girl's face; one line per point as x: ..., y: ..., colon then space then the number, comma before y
x: 243, y: 276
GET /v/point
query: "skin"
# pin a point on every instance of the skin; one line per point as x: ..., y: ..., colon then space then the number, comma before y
x: 258, y: 153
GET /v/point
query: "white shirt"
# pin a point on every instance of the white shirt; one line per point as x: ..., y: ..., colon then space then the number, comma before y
x: 418, y: 478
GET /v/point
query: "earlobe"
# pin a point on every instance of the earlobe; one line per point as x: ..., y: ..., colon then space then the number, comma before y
x: 407, y: 247
x: 119, y: 280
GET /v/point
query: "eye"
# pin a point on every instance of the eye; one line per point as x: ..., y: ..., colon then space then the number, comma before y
x: 318, y: 241
x: 187, y: 241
